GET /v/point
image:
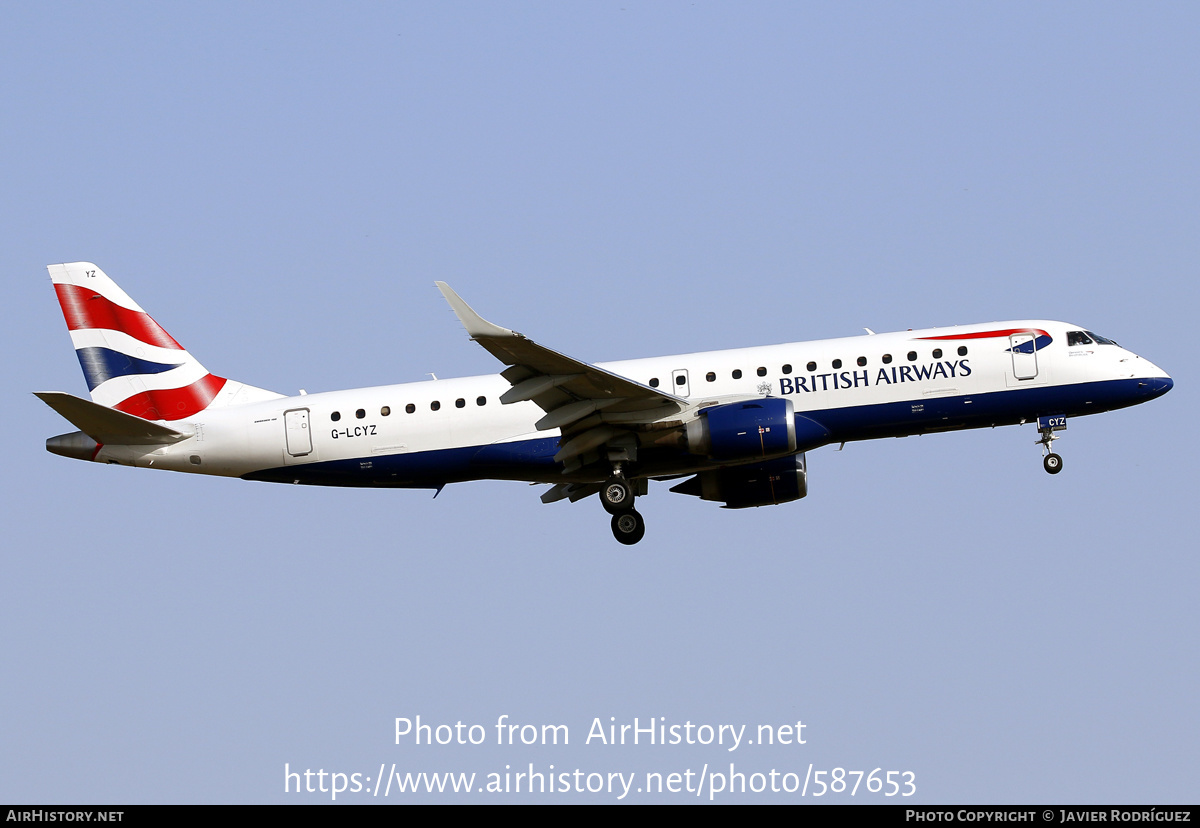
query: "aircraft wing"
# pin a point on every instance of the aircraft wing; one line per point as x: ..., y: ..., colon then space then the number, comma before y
x: 588, y: 403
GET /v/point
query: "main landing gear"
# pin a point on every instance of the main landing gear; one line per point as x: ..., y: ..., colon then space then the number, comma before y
x: 617, y: 497
x: 628, y: 527
x: 1051, y: 462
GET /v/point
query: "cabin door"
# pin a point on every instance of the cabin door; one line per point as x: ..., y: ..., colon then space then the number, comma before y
x: 1024, y: 355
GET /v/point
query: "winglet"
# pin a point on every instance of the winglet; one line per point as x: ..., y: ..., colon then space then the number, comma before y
x: 475, y: 324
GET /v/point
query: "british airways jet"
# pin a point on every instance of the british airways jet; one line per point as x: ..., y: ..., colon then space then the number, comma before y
x: 732, y: 426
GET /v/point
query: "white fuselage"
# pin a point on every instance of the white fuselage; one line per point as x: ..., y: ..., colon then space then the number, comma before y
x: 430, y: 433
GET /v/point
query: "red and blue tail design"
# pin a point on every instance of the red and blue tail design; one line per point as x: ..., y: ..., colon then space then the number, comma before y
x: 131, y: 363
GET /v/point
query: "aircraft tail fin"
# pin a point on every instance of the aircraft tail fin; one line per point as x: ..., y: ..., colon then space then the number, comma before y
x: 130, y: 362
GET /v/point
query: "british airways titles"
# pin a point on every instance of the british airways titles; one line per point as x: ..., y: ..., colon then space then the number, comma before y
x: 888, y: 375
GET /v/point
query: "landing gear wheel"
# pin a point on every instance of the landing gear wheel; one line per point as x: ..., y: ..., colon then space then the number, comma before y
x: 617, y: 496
x: 1046, y: 427
x: 1052, y: 462
x: 628, y: 527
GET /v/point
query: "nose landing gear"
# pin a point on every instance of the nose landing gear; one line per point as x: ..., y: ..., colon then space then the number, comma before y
x: 1051, y: 462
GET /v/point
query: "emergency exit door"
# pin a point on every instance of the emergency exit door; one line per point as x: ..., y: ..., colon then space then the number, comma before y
x: 680, y: 386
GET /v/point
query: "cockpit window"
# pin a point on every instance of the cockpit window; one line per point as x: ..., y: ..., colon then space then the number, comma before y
x: 1100, y: 340
x: 1078, y: 338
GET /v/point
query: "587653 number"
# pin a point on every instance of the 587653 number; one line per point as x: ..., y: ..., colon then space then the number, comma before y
x: 889, y: 783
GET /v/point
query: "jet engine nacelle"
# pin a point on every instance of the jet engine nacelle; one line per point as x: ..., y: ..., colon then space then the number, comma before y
x: 781, y: 480
x: 744, y: 430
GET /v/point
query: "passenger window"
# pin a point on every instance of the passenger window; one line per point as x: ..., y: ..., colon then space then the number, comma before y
x: 862, y: 361
x: 937, y: 353
x: 360, y: 414
x: 435, y: 405
x: 680, y: 380
x: 386, y: 410
x: 335, y: 416
x: 962, y: 350
x: 812, y: 366
x: 912, y: 356
x: 460, y: 402
x: 710, y: 377
x: 887, y: 359
x: 737, y: 373
x: 654, y: 382
x: 410, y: 409
x: 481, y: 400
x: 762, y: 372
x: 837, y: 363
x: 787, y: 368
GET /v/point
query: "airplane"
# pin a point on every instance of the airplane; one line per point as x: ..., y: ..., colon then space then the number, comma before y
x: 732, y: 426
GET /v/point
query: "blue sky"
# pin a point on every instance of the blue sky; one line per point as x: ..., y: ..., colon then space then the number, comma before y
x: 279, y: 186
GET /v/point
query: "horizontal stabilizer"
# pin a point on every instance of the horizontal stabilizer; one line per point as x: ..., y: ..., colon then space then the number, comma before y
x: 108, y: 426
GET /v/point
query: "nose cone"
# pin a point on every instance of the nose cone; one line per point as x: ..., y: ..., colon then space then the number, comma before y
x: 1157, y: 386
x: 1154, y: 381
